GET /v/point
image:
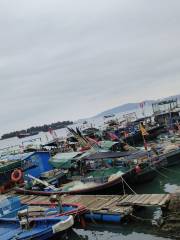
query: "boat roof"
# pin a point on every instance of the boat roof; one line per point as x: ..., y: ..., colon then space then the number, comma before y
x: 20, y: 156
x: 141, y: 119
x: 107, y: 144
x: 102, y: 155
x: 165, y: 102
x: 66, y: 156
x: 52, y: 143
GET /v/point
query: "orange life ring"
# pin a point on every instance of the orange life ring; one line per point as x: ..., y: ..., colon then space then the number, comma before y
x: 16, y: 175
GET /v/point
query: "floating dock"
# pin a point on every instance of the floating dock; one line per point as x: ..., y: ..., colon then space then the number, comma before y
x: 111, y: 202
x: 107, y: 208
x: 145, y: 200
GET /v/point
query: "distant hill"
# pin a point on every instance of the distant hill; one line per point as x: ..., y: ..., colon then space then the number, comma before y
x: 123, y: 108
x: 130, y: 107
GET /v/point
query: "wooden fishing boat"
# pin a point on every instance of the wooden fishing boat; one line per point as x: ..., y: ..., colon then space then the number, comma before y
x: 38, y: 221
x: 109, y: 116
x: 113, y: 178
x: 33, y: 163
x: 167, y: 156
x: 10, y: 206
x: 26, y: 134
x: 35, y: 228
x: 114, y: 186
x: 6, y: 169
x: 134, y: 138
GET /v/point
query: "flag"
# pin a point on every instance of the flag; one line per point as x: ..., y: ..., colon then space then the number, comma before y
x: 143, y: 130
x: 50, y: 130
x: 21, y: 147
x: 142, y: 104
x: 113, y: 136
x: 126, y: 134
x: 53, y: 133
x: 92, y: 142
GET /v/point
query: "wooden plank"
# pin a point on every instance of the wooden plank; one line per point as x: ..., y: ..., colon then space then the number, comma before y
x: 104, y: 203
x: 144, y: 199
x: 155, y: 199
x: 165, y: 200
x: 93, y: 204
x: 127, y: 200
x: 109, y: 204
x: 126, y: 197
x: 152, y: 200
x: 100, y: 204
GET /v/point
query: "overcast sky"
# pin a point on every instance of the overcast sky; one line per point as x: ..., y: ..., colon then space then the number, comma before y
x: 70, y: 59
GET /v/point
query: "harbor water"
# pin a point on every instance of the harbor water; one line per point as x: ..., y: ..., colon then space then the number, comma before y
x: 167, y: 181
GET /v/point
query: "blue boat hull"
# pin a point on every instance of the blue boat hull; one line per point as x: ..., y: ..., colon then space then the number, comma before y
x: 40, y: 230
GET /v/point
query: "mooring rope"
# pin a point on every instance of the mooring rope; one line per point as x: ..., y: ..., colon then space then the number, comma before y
x: 123, y: 187
x: 141, y: 219
x: 128, y: 185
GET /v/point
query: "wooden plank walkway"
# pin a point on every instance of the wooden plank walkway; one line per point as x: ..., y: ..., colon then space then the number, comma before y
x: 108, y: 204
x: 96, y: 204
x: 146, y: 200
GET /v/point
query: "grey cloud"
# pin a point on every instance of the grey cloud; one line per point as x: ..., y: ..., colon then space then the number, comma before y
x: 71, y: 59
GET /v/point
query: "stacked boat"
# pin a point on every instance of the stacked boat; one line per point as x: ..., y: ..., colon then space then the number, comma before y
x: 94, y: 169
x: 39, y: 221
x: 91, y: 161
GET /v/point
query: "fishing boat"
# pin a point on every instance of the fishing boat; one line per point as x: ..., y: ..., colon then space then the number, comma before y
x: 34, y: 229
x: 10, y: 206
x: 26, y: 134
x: 100, y: 173
x: 6, y: 169
x: 131, y: 132
x: 167, y: 112
x: 109, y: 116
x: 166, y: 155
x: 135, y: 137
x: 14, y: 166
x: 42, y: 221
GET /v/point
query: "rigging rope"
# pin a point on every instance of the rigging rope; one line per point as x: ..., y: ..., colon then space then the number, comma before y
x: 128, y: 185
x: 123, y: 187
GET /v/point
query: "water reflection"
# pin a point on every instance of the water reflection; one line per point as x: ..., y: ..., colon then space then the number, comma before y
x: 167, y: 182
x: 110, y: 232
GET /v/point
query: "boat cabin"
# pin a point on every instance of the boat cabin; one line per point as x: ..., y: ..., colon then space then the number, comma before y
x: 166, y: 112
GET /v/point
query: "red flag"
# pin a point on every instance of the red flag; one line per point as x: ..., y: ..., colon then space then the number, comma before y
x: 141, y: 104
x: 113, y: 136
x: 53, y: 133
x: 50, y: 130
x: 126, y: 134
x: 93, y: 142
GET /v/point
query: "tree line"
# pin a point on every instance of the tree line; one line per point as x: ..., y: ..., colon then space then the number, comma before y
x: 37, y: 129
